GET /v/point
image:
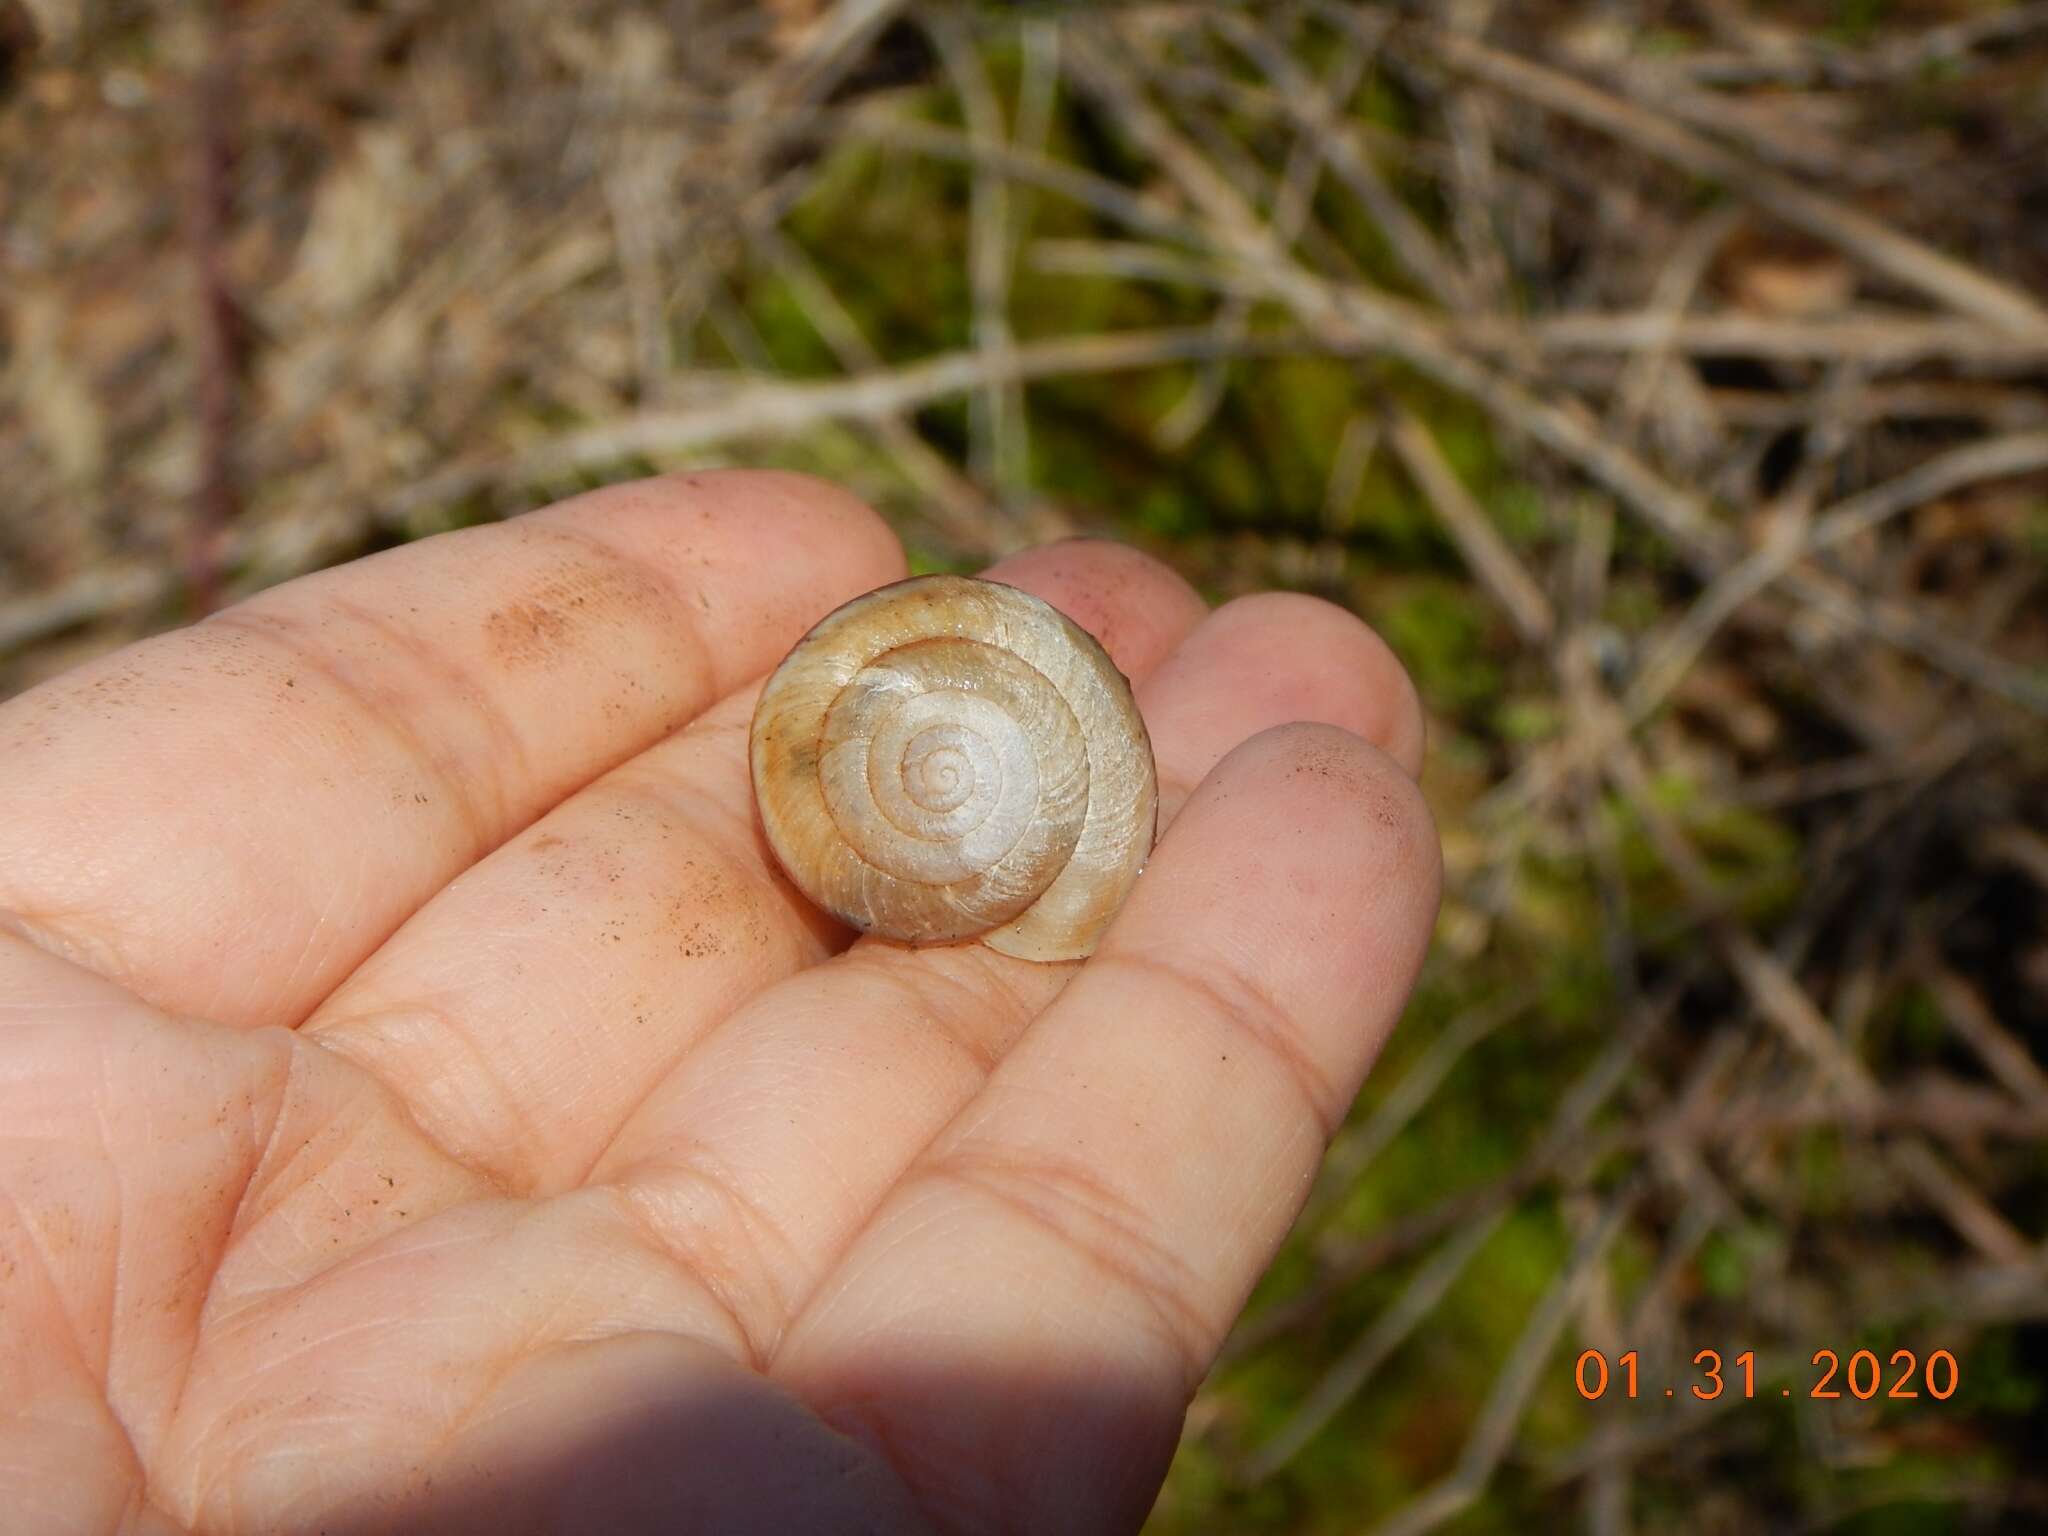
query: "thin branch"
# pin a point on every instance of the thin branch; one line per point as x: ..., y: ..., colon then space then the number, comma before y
x: 1366, y: 319
x: 961, y: 510
x: 1776, y: 993
x: 1354, y: 1149
x: 1349, y: 1373
x: 1997, y: 1047
x: 216, y: 502
x: 1290, y: 216
x: 1000, y: 450
x: 1942, y: 277
x: 1564, y: 1138
x: 1677, y: 282
x: 1792, y: 542
x: 1314, y: 109
x: 754, y: 407
x: 1495, y: 565
x: 1516, y: 1382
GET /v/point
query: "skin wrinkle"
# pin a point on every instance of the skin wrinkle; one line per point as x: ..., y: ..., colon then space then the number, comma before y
x: 39, y: 1249
x: 672, y: 598
x: 244, y: 1197
x: 286, y: 635
x: 431, y: 1135
x: 1300, y: 1148
x: 1001, y: 974
x: 103, y: 1368
x: 363, y: 1255
x: 339, y: 1039
x: 310, y: 945
x: 904, y: 984
x: 289, y: 1354
x: 1068, y: 1201
x: 903, y: 1229
x: 1013, y: 1014
x: 1174, y: 792
x: 139, y: 1508
x: 599, y: 1304
x: 1240, y: 1002
x: 513, y: 1360
x: 230, y: 1456
x: 917, y: 987
x: 750, y: 1223
x: 262, y: 1175
x: 781, y: 889
x: 815, y: 1146
x: 74, y: 948
x: 137, y: 1476
x: 135, y: 1493
x: 504, y: 744
x: 872, y: 1432
x: 702, y: 822
x: 364, y: 1260
x: 234, y: 1227
x: 908, y: 983
x: 317, y: 1179
x: 691, y: 812
x: 685, y: 814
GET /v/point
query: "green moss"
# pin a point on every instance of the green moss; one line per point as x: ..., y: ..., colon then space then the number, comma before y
x: 1857, y: 21
x: 1922, y: 1028
x: 1722, y: 1267
x: 1441, y: 628
x: 2034, y: 530
x: 1527, y: 718
x: 924, y: 562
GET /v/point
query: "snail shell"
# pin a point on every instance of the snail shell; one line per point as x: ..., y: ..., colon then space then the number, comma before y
x: 945, y: 758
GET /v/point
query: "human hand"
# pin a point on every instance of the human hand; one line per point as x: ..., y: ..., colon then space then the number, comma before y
x: 424, y: 1106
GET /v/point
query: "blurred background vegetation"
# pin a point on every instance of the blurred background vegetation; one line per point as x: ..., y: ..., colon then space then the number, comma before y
x: 1666, y: 379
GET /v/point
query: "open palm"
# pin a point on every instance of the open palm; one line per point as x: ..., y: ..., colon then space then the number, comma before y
x: 424, y: 1106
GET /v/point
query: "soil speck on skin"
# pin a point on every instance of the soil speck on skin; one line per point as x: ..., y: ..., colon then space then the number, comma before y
x: 526, y: 634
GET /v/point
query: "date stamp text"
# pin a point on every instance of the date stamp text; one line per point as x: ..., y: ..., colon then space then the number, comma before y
x: 1863, y: 1376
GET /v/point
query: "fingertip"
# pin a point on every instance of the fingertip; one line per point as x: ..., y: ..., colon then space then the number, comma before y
x: 1268, y: 660
x: 1359, y: 682
x: 1381, y: 793
x: 1334, y: 778
x: 805, y: 511
x: 1308, y: 859
x: 761, y: 553
x: 762, y: 516
x: 1138, y: 608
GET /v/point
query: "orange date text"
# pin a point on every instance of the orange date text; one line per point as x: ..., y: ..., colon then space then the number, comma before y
x: 1863, y: 1376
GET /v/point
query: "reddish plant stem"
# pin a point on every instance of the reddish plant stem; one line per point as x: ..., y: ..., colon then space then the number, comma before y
x: 216, y: 501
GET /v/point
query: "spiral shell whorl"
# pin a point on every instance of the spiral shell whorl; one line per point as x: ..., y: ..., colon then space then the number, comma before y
x: 948, y: 757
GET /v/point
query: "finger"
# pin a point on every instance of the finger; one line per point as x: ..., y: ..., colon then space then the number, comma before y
x: 540, y: 997
x: 1137, y: 608
x: 1099, y: 1213
x: 228, y: 818
x: 1303, y: 659
x: 771, y: 1144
